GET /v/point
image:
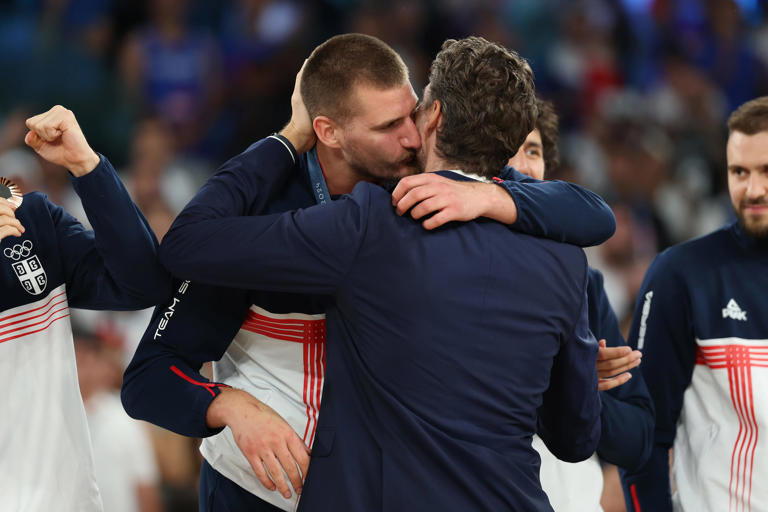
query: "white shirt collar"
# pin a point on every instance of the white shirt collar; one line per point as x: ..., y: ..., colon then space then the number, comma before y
x: 476, y: 177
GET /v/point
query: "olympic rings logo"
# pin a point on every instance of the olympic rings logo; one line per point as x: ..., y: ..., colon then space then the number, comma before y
x: 19, y: 251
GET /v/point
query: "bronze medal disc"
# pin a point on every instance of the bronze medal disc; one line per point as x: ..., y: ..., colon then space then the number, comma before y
x: 10, y: 191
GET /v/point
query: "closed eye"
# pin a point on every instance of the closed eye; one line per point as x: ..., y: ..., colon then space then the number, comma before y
x: 390, y: 125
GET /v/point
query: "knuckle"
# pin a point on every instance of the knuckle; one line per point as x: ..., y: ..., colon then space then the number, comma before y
x: 257, y: 446
x: 251, y: 453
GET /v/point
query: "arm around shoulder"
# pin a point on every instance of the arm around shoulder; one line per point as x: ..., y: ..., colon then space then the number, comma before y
x: 558, y: 210
x: 242, y: 186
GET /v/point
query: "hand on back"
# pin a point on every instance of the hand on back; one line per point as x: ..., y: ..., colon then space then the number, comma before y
x: 450, y: 200
x: 613, y: 365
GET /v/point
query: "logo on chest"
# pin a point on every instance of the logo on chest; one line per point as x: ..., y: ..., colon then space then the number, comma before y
x: 27, y: 267
x: 732, y: 310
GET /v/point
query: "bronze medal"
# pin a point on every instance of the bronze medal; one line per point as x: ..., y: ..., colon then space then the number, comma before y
x: 10, y: 191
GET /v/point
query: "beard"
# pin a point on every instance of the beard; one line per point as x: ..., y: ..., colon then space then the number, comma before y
x: 754, y: 227
x: 377, y: 171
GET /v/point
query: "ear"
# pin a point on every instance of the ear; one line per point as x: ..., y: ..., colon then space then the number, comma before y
x: 434, y: 117
x: 327, y: 131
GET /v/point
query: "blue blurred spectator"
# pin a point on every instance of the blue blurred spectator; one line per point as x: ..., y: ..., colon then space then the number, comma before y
x: 173, y: 71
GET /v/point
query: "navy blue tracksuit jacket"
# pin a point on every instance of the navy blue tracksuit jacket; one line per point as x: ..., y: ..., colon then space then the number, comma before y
x: 701, y: 320
x: 444, y: 353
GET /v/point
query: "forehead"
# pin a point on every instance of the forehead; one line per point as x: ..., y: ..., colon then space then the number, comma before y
x: 533, y: 138
x: 748, y: 151
x: 373, y: 106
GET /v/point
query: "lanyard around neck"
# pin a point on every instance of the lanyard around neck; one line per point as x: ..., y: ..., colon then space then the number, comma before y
x: 319, y: 188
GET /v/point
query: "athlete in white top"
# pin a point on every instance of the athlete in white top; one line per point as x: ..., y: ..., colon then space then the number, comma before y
x: 49, y: 262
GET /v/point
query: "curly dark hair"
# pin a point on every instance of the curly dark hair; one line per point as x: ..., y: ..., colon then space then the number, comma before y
x: 342, y: 62
x: 547, y: 124
x: 488, y: 103
x: 751, y: 117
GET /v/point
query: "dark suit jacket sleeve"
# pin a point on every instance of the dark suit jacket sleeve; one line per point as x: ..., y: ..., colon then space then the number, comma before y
x: 305, y: 251
x: 163, y: 384
x: 115, y: 266
x: 569, y: 418
x: 558, y: 210
x: 628, y: 404
x: 663, y: 330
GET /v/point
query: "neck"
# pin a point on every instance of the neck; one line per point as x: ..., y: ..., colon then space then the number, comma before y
x: 435, y: 162
x: 339, y: 176
x: 747, y: 240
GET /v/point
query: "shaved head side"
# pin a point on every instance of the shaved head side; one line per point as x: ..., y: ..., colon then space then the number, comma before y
x: 750, y: 118
x: 488, y: 103
x: 337, y: 66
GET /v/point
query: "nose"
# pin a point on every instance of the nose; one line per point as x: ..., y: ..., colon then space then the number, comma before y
x: 757, y: 187
x: 410, y: 137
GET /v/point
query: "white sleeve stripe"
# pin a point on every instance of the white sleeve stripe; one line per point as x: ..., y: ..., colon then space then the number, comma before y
x: 286, y: 147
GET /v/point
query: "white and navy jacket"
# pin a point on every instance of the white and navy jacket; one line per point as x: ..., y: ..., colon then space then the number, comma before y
x: 701, y: 320
x: 273, y: 344
x: 45, y: 455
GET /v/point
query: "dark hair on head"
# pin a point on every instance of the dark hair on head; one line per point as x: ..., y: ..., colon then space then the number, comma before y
x: 750, y: 118
x: 488, y: 103
x: 342, y: 62
x: 547, y: 124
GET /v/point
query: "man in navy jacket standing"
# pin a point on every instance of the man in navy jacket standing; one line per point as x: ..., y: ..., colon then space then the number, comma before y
x: 444, y: 354
x: 700, y: 321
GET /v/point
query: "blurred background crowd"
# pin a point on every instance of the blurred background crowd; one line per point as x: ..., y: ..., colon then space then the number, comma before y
x: 169, y: 89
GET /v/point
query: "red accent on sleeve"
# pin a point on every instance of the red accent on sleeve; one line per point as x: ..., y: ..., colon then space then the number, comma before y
x: 206, y: 385
x: 635, y: 501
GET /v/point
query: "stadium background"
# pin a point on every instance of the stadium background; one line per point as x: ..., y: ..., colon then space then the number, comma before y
x: 168, y: 89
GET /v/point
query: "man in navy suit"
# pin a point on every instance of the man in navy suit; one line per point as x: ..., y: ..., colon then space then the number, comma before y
x: 444, y: 355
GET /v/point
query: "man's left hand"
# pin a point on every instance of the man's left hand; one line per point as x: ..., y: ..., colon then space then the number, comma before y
x: 451, y: 200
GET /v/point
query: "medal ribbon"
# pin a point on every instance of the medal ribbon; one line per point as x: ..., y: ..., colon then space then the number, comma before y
x: 319, y: 188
